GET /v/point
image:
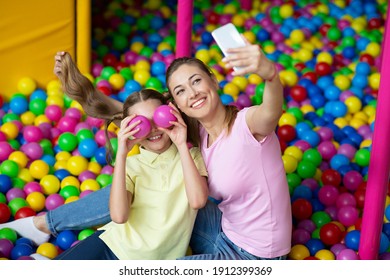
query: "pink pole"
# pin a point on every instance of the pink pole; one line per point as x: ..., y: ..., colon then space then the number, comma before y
x: 379, y: 168
x: 246, y: 4
x: 184, y: 28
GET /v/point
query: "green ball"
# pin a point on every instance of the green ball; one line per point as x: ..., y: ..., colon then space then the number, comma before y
x: 257, y: 100
x: 69, y: 191
x: 114, y: 144
x: 18, y: 183
x: 84, y: 133
x: 107, y: 71
x: 47, y: 147
x: 306, y: 169
x: 104, y: 180
x: 37, y: 106
x: 67, y: 101
x: 9, y: 117
x: 102, y: 50
x: 17, y: 203
x: 124, y: 29
x: 9, y: 168
x: 119, y: 42
x: 143, y: 23
x: 146, y: 51
x: 320, y: 218
x: 126, y: 73
x: 316, y: 233
x: 10, y: 234
x: 171, y: 40
x: 3, y: 199
x: 296, y: 112
x: 362, y: 157
x: 67, y: 141
x: 14, y: 144
x: 85, y: 233
x: 313, y: 155
x: 334, y: 34
x: 348, y: 41
x: 293, y: 181
x: 154, y: 83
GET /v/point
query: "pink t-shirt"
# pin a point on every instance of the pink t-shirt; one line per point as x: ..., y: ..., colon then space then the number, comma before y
x: 249, y: 179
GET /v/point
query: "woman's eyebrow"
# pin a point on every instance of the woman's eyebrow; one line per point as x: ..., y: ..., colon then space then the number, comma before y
x: 188, y: 79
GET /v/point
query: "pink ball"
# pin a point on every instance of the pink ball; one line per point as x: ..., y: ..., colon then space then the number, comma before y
x: 94, y: 121
x: 346, y: 199
x: 74, y: 113
x: 162, y: 116
x: 5, y: 150
x: 347, y: 254
x: 32, y: 133
x: 300, y: 236
x: 337, y: 248
x: 347, y: 150
x: 46, y: 130
x: 53, y: 112
x: 308, y: 225
x: 130, y: 57
x: 325, y: 133
x: 107, y: 169
x: 144, y: 126
x: 97, y: 69
x: 81, y: 125
x: 348, y: 215
x: 327, y: 150
x: 32, y: 150
x: 85, y: 193
x: 67, y: 124
x: 250, y: 90
x: 328, y: 195
x: 15, y: 193
x: 100, y: 137
x: 85, y: 175
x: 2, y: 137
x: 352, y: 180
x: 244, y: 101
x: 302, y: 144
x: 32, y: 187
x: 53, y: 201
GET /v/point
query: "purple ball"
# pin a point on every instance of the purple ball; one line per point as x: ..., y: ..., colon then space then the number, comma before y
x: 243, y: 101
x: 348, y: 215
x: 80, y: 126
x: 384, y: 256
x: 328, y: 195
x: 352, y: 180
x: 74, y: 113
x: 32, y: 187
x: 308, y: 225
x: 347, y: 254
x: 300, y: 236
x: 332, y: 212
x: 337, y: 248
x: 32, y: 150
x: 302, y: 144
x: 347, y: 150
x: 6, y: 247
x: 85, y: 193
x: 97, y: 69
x: 325, y: 133
x: 53, y: 201
x: 85, y: 175
x: 162, y: 116
x: 14, y: 193
x: 144, y: 126
x: 346, y: 199
x: 327, y: 150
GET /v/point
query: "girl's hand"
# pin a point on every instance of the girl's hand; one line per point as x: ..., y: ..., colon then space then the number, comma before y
x: 58, y: 63
x: 178, y: 132
x: 126, y: 141
x: 250, y: 59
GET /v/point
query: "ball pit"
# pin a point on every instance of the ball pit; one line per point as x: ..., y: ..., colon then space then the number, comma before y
x: 328, y: 59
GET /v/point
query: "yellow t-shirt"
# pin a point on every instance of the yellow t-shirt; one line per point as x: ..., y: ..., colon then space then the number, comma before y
x: 161, y: 220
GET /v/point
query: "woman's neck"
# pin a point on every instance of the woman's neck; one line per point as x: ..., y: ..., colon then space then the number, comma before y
x: 214, y: 124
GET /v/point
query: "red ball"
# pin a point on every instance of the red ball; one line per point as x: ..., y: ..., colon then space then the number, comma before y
x: 300, y: 66
x: 375, y: 23
x: 120, y: 65
x: 358, y: 224
x: 283, y: 145
x: 1, y: 101
x: 213, y: 18
x: 330, y: 234
x: 286, y: 133
x: 311, y: 76
x: 109, y: 60
x: 323, y: 69
x: 360, y: 196
x: 105, y: 90
x: 298, y: 93
x: 331, y: 177
x: 311, y: 258
x: 301, y: 209
x: 324, y: 29
x: 5, y: 213
x: 24, y: 212
x: 367, y: 58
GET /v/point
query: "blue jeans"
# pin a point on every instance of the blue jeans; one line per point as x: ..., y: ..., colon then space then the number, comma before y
x: 208, y: 242
x: 89, y: 211
x: 91, y: 248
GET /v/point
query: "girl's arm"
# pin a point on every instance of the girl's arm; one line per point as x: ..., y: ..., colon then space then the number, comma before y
x: 262, y: 119
x: 120, y: 197
x: 195, y: 184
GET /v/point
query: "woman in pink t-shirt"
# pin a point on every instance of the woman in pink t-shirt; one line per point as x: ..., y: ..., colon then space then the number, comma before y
x: 252, y: 218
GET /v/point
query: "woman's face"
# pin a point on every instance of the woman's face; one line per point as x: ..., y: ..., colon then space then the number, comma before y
x: 194, y: 91
x: 157, y: 141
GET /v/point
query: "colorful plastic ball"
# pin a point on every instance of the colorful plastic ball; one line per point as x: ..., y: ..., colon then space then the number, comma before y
x: 144, y: 126
x: 5, y: 213
x: 32, y: 133
x: 328, y: 195
x: 299, y: 252
x: 50, y: 184
x: 21, y: 250
x: 322, y: 69
x: 47, y: 250
x: 24, y: 212
x: 76, y: 165
x: 362, y: 157
x: 85, y: 233
x: 162, y: 116
x: 324, y: 254
x: 65, y: 239
x: 300, y: 236
x: 10, y: 130
x: 36, y: 200
x: 330, y: 234
x: 298, y: 93
x: 348, y: 215
x: 67, y: 124
x: 37, y: 106
x: 19, y: 105
x: 90, y: 184
x: 306, y: 169
x: 17, y: 203
x: 352, y: 239
x: 53, y: 201
x: 6, y: 247
x: 290, y: 163
x: 301, y: 209
x: 69, y: 191
x: 383, y: 243
x: 9, y: 168
x: 15, y: 192
x: 347, y: 254
x: 320, y: 218
x: 26, y: 85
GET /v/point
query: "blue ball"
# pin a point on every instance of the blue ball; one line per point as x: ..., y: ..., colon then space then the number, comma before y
x: 360, y: 81
x: 387, y: 212
x: 363, y: 68
x: 158, y: 68
x: 349, y: 52
x: 38, y: 94
x: 100, y: 155
x: 314, y: 245
x: 332, y: 92
x: 352, y: 239
x: 87, y: 147
x: 65, y: 239
x: 206, y: 38
x: 132, y: 86
x: 226, y: 99
x: 302, y: 192
x: 61, y: 174
x: 5, y: 183
x: 21, y: 250
x: 338, y: 160
x: 19, y: 105
x: 339, y: 109
x: 383, y: 243
x: 311, y: 137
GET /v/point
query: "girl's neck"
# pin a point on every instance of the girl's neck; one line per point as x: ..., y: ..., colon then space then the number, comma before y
x: 215, y: 124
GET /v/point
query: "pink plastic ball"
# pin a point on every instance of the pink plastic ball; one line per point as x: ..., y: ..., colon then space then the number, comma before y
x: 85, y: 175
x: 85, y: 193
x: 53, y: 112
x: 2, y: 137
x: 348, y: 215
x: 67, y: 124
x: 144, y: 126
x: 100, y: 137
x: 302, y: 144
x: 308, y: 225
x: 81, y: 125
x: 325, y: 133
x: 352, y: 180
x: 107, y: 169
x: 300, y: 236
x: 347, y: 150
x: 14, y: 193
x: 32, y: 187
x: 327, y: 150
x: 94, y: 122
x: 53, y: 201
x: 347, y: 254
x: 5, y: 150
x: 32, y: 150
x: 46, y: 130
x: 97, y: 69
x: 32, y: 133
x: 346, y: 199
x: 162, y: 116
x: 74, y: 113
x: 244, y: 101
x: 328, y: 195
x: 337, y: 248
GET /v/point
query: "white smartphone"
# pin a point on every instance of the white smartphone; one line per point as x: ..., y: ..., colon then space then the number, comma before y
x: 227, y: 36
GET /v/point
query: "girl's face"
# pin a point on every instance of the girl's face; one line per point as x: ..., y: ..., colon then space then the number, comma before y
x: 194, y: 91
x: 157, y: 141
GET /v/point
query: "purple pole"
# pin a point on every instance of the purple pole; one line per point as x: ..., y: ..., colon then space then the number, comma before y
x: 184, y: 28
x: 379, y: 167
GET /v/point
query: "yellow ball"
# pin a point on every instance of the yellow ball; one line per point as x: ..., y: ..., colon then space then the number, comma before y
x: 356, y: 123
x: 269, y: 49
x: 238, y: 20
x: 70, y: 181
x: 77, y: 165
x: 10, y: 130
x: 340, y: 122
x: 71, y: 199
x: 288, y: 77
x: 374, y: 80
x: 290, y: 163
x: 53, y: 84
x: 36, y: 200
x: 47, y: 250
x: 136, y: 47
x: 286, y: 11
x: 361, y: 115
x: 307, y: 108
x: 374, y: 49
x: 41, y: 119
x: 369, y: 110
x: 164, y: 46
x: 27, y: 118
x: 354, y: 104
x: 89, y: 184
x: 55, y: 92
x: 230, y: 9
x: 142, y: 65
x: 117, y: 81
x: 141, y: 76
x: 20, y: 158
x: 325, y: 57
x: 299, y: 252
x: 241, y: 82
x: 342, y: 82
x: 231, y: 89
x: 304, y: 55
x: 250, y: 36
x: 324, y: 254
x: 75, y: 104
x: 366, y: 143
x: 25, y: 175
x: 254, y: 79
x: 94, y: 167
x: 297, y: 36
x: 50, y: 184
x: 26, y: 86
x: 55, y: 100
x: 63, y: 155
x: 60, y: 164
x: 203, y: 55
x: 39, y: 169
x: 134, y: 151
x: 294, y: 151
x: 287, y: 118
